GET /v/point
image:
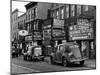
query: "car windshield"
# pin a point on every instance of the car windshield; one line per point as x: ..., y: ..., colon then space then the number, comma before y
x: 76, y: 51
x: 67, y: 49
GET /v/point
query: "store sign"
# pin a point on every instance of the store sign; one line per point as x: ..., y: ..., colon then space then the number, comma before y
x: 57, y: 32
x: 47, y: 34
x: 58, y: 22
x: 47, y: 26
x: 59, y: 38
x: 28, y: 38
x: 23, y: 32
x: 83, y: 30
x: 37, y: 36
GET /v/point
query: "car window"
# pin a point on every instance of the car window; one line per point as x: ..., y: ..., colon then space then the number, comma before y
x: 67, y: 49
x: 61, y: 48
x: 58, y: 49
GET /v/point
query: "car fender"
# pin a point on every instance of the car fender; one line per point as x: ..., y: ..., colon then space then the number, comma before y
x: 65, y: 55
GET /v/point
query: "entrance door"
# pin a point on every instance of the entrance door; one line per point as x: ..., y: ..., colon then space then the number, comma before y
x: 85, y: 48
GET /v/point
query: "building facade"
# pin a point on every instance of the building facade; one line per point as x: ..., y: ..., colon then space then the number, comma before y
x: 79, y: 25
x: 14, y: 25
x: 21, y: 26
x: 35, y: 14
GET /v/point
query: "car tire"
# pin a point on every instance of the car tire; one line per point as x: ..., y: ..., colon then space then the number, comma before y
x: 82, y: 62
x: 51, y: 60
x: 64, y: 62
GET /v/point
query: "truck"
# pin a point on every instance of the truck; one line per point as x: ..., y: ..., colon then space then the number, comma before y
x: 35, y: 53
x: 67, y: 53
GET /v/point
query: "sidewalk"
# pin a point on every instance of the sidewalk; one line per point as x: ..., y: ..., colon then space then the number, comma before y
x: 89, y: 63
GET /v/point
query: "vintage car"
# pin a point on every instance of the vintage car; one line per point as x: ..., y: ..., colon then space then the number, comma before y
x: 15, y: 52
x: 34, y: 54
x: 67, y: 53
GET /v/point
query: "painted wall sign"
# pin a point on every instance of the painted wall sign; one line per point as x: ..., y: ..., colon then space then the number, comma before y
x: 83, y: 30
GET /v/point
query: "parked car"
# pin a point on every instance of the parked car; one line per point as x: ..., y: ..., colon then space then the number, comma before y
x: 34, y: 54
x: 15, y: 52
x: 67, y: 53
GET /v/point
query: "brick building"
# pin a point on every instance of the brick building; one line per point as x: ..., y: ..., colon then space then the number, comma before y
x: 21, y: 26
x: 14, y: 25
x: 76, y: 17
x: 35, y: 14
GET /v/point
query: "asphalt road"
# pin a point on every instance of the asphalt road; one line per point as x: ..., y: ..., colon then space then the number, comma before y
x: 18, y: 65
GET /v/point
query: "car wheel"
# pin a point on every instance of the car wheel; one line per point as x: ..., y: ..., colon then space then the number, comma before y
x: 51, y: 60
x: 81, y: 62
x: 65, y: 62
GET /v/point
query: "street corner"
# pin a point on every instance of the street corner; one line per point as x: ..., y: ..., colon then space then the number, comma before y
x: 91, y: 63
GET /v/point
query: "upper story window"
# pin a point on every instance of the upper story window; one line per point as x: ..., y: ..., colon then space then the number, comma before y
x: 78, y: 10
x: 85, y: 8
x: 32, y: 16
x: 35, y: 12
x: 72, y: 10
x: 62, y: 13
x: 57, y: 14
x: 67, y: 11
x: 53, y: 14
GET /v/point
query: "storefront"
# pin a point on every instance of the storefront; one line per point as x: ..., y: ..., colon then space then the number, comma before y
x: 83, y: 34
x: 58, y: 32
x: 53, y: 33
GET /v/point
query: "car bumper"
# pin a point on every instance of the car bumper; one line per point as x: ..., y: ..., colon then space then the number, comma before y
x: 38, y: 57
x: 78, y: 60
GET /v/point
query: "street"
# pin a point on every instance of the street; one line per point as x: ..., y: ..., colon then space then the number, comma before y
x: 19, y: 66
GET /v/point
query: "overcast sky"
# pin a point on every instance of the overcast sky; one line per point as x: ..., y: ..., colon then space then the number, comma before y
x: 19, y: 5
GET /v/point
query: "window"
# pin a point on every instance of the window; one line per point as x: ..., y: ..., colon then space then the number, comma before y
x: 35, y: 12
x: 85, y: 8
x: 53, y: 14
x: 61, y: 48
x: 67, y: 11
x: 28, y: 27
x: 62, y: 13
x: 72, y: 10
x: 35, y: 25
x: 32, y: 13
x: 57, y: 14
x: 78, y: 10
